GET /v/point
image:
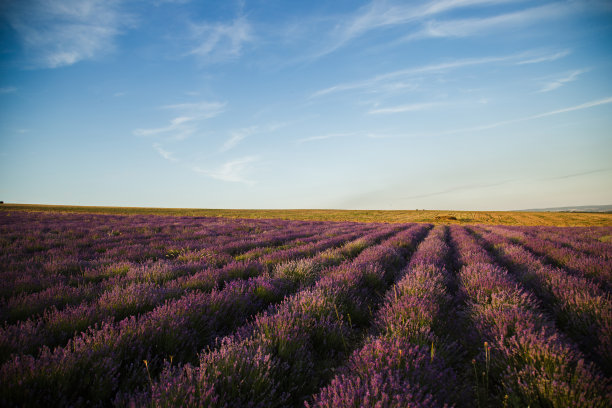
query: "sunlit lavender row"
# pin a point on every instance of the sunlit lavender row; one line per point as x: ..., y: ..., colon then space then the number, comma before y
x: 104, y: 310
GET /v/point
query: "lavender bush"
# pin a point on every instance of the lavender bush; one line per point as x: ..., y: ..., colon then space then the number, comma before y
x: 108, y: 310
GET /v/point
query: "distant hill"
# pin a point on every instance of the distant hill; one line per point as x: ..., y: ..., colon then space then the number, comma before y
x: 578, y: 208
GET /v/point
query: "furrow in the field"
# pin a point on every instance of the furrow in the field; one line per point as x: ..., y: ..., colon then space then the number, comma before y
x: 525, y: 360
x: 177, y: 263
x: 112, y: 355
x: 55, y: 328
x: 408, y: 359
x: 595, y: 267
x: 293, y: 348
x: 579, y: 306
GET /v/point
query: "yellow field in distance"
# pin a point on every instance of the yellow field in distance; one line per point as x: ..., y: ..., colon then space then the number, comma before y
x: 432, y: 216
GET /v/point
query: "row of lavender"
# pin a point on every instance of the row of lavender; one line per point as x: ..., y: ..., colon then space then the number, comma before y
x: 457, y: 329
x: 480, y: 336
x: 40, y: 251
x: 113, y: 351
x: 143, y: 286
x: 328, y: 315
x: 176, y: 248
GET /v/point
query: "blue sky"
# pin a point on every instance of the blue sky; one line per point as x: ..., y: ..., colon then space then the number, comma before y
x: 447, y: 104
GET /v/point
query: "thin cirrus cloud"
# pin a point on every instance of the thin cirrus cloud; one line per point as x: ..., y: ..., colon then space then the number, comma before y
x: 545, y: 58
x: 238, y: 135
x: 405, y: 108
x: 57, y: 33
x: 383, y: 79
x: 473, y: 26
x: 187, y: 123
x: 559, y: 82
x: 457, y: 188
x: 370, y: 135
x: 231, y: 171
x: 164, y: 153
x: 381, y: 14
x: 326, y: 136
x: 579, y: 174
x: 582, y: 106
x: 221, y: 42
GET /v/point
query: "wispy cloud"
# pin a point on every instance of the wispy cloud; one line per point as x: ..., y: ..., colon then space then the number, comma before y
x: 383, y: 14
x: 159, y: 2
x: 178, y: 127
x: 545, y: 58
x: 231, y: 171
x: 405, y: 108
x: 186, y: 124
x: 466, y: 187
x: 325, y: 137
x: 472, y: 26
x: 383, y: 79
x: 8, y: 90
x: 220, y: 42
x: 580, y: 174
x: 58, y: 33
x: 558, y: 83
x: 370, y: 135
x: 582, y: 106
x: 164, y: 153
x: 238, y: 135
x: 203, y: 110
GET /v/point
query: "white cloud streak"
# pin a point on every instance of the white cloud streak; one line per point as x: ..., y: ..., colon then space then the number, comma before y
x: 582, y: 106
x: 558, y: 83
x: 325, y: 137
x: 186, y: 124
x: 221, y: 42
x: 59, y: 33
x: 369, y: 135
x: 405, y: 108
x: 238, y: 135
x: 381, y: 14
x: 383, y: 79
x: 472, y: 26
x: 164, y: 153
x: 200, y: 110
x: 545, y: 58
x: 585, y: 105
x: 8, y: 90
x: 232, y: 171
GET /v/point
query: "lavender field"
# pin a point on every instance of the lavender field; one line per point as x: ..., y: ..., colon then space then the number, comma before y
x: 144, y: 310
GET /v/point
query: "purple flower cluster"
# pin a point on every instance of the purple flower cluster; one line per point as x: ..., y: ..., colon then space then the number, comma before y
x: 579, y: 306
x: 136, y: 289
x: 91, y: 254
x: 101, y: 310
x: 404, y: 365
x: 525, y: 360
x: 389, y: 372
x: 591, y: 258
x: 291, y: 347
x: 179, y: 328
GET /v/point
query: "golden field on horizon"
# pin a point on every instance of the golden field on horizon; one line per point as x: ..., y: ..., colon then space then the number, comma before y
x: 561, y: 219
